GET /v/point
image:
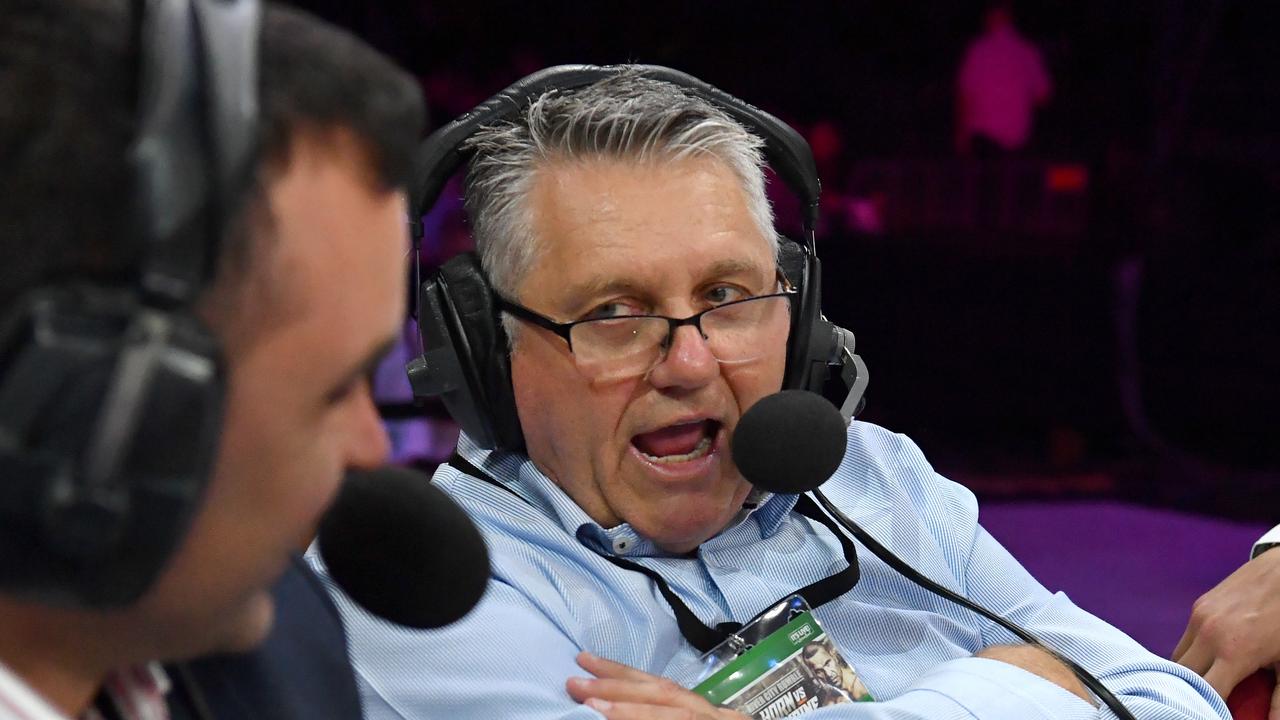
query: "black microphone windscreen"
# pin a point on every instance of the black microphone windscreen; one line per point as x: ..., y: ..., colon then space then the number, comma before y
x: 789, y: 442
x: 402, y: 549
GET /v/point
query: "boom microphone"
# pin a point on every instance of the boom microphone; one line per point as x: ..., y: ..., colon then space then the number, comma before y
x: 403, y: 550
x: 789, y: 442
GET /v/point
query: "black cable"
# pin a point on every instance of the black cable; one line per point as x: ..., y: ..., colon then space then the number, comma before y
x: 916, y: 577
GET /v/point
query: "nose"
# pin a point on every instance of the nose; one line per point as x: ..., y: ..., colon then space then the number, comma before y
x: 688, y: 363
x: 368, y: 445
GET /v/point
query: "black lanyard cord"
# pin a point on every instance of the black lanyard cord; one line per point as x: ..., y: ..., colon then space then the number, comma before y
x: 816, y: 594
x: 698, y: 633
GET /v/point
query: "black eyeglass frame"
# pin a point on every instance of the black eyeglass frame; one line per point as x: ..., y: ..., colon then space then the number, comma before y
x: 673, y: 324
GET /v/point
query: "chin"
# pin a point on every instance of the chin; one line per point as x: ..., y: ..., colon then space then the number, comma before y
x: 249, y: 627
x: 681, y: 530
x: 686, y: 533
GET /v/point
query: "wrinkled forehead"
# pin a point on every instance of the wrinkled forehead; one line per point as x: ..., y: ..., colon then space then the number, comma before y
x: 603, y: 219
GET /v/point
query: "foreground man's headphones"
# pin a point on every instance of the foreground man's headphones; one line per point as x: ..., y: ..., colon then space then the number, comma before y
x: 111, y: 398
x: 466, y: 352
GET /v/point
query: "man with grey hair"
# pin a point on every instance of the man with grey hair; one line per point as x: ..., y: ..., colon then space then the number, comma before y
x: 607, y: 219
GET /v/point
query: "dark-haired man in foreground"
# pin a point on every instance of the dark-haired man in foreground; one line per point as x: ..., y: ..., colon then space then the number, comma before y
x: 307, y: 292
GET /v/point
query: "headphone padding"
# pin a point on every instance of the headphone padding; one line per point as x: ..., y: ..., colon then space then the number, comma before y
x: 82, y: 527
x: 485, y: 360
x: 808, y: 326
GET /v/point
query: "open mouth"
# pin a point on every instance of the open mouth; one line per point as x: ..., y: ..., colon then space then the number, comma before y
x: 678, y: 443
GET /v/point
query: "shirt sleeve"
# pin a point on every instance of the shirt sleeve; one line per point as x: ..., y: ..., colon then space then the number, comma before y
x: 1266, y: 542
x: 976, y: 688
x: 1150, y: 687
x: 505, y: 659
x: 971, y: 689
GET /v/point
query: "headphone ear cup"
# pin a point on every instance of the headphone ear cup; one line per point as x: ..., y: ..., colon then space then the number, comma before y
x: 467, y: 358
x: 445, y: 369
x: 170, y: 459
x: 111, y: 428
x: 791, y: 260
x: 810, y: 344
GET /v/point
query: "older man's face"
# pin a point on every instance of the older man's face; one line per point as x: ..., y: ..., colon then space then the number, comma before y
x: 619, y: 238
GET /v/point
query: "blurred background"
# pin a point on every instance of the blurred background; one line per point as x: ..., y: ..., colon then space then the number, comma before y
x: 1052, y: 225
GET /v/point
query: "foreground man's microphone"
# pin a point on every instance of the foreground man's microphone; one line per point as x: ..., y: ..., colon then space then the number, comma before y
x: 789, y: 442
x: 403, y: 550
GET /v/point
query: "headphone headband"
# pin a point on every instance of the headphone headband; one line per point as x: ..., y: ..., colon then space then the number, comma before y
x: 196, y: 111
x: 112, y: 397
x: 440, y: 155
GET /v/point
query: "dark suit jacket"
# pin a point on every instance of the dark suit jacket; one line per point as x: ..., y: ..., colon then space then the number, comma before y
x: 300, y: 671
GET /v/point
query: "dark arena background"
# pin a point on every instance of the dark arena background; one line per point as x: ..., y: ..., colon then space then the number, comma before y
x: 1084, y: 330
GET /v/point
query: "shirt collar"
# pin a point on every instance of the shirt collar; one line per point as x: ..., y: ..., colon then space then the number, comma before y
x: 518, y: 474
x: 137, y: 692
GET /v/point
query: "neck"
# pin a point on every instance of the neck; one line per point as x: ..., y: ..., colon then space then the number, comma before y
x: 56, y: 652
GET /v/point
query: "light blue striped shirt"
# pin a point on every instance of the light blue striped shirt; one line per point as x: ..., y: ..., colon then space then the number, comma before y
x: 552, y: 595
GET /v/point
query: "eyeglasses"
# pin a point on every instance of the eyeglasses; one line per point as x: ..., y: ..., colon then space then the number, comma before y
x: 616, y: 348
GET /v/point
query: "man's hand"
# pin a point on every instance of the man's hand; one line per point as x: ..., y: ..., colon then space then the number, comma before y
x: 620, y: 692
x: 1038, y: 662
x: 1235, y: 628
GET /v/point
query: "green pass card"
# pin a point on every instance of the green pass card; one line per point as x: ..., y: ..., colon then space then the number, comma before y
x: 794, y: 670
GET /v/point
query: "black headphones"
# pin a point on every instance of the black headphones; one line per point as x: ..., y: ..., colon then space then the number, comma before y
x: 465, y: 358
x: 111, y: 398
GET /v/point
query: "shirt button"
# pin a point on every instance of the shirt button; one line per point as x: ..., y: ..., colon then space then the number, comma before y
x: 622, y: 545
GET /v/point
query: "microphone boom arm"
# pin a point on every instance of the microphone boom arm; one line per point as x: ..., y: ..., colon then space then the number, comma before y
x: 853, y: 373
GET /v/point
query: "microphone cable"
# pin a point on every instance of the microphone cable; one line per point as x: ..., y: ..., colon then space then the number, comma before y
x: 915, y: 576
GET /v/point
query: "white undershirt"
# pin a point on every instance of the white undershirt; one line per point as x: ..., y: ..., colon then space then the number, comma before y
x: 18, y: 701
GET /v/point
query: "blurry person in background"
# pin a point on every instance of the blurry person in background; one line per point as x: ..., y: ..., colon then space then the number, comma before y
x: 1001, y: 82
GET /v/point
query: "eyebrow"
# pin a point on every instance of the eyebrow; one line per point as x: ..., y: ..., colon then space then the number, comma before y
x: 368, y: 364
x: 733, y: 266
x: 600, y: 285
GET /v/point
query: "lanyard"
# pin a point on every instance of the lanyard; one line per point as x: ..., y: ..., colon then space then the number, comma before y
x: 698, y: 633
